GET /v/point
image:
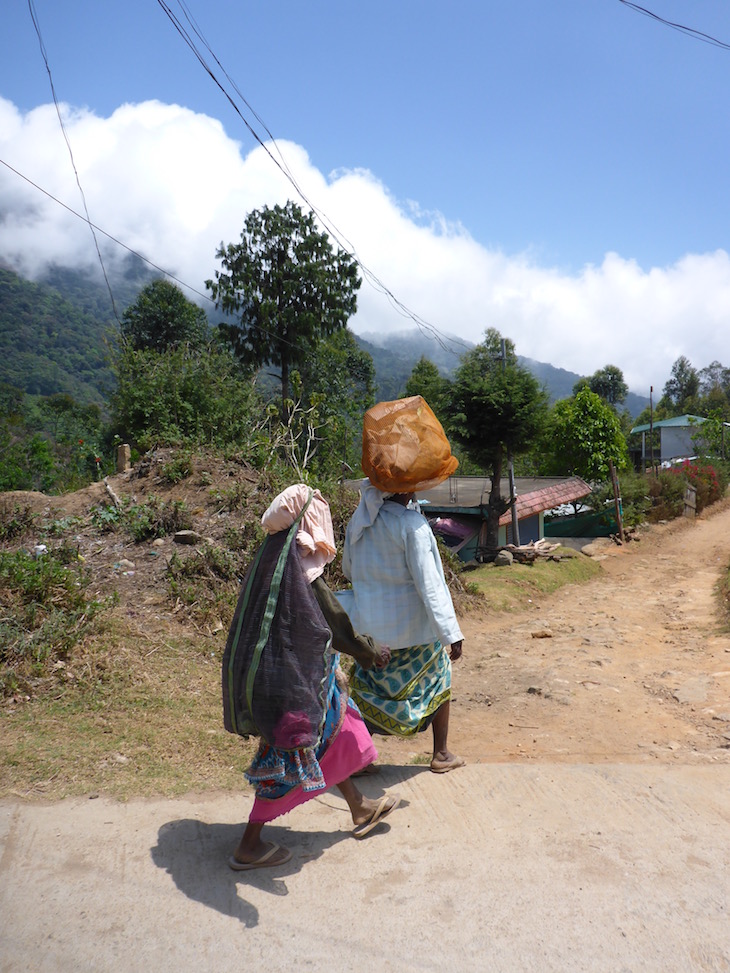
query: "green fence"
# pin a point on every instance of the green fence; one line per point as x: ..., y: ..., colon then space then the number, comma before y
x: 583, y: 525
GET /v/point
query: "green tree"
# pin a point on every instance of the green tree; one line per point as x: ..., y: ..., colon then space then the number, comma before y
x: 608, y: 383
x: 681, y: 390
x: 497, y: 409
x: 427, y: 381
x: 710, y: 437
x: 583, y: 435
x: 184, y: 395
x: 338, y: 379
x: 288, y: 288
x: 715, y: 391
x: 162, y: 317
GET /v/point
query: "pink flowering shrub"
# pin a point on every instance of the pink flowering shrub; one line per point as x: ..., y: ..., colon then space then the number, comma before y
x: 704, y: 478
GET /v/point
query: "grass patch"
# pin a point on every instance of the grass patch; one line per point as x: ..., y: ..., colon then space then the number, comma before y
x: 145, y: 722
x: 206, y: 582
x: 142, y: 521
x: 508, y: 589
x: 44, y: 614
x: 15, y: 521
x: 421, y: 760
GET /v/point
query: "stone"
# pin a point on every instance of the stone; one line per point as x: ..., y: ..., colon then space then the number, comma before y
x: 124, y: 458
x: 188, y: 537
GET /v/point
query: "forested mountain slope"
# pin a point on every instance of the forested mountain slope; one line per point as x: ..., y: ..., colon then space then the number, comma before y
x: 48, y: 344
x: 54, y: 337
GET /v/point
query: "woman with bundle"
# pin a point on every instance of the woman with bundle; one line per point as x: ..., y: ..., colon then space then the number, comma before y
x: 280, y: 678
x: 399, y: 594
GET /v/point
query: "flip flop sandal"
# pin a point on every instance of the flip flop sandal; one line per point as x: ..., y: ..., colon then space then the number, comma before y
x: 380, y: 812
x: 263, y: 862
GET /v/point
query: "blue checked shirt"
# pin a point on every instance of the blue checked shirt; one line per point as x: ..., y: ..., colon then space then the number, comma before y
x: 399, y: 594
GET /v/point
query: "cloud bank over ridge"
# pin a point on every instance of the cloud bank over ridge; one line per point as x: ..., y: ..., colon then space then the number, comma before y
x: 172, y: 185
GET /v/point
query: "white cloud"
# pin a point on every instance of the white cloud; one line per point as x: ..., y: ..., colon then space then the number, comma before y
x: 171, y: 184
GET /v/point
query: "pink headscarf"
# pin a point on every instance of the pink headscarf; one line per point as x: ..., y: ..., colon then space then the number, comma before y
x: 315, y: 537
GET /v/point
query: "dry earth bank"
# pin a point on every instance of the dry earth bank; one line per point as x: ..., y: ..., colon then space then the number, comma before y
x: 632, y: 666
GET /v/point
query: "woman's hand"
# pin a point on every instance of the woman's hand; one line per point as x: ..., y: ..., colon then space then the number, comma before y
x: 383, y: 658
x: 455, y: 650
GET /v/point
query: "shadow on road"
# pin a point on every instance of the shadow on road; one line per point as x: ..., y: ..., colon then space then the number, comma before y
x: 195, y: 854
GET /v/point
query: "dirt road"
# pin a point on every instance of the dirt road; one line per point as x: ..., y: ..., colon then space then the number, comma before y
x: 631, y: 667
x: 590, y: 830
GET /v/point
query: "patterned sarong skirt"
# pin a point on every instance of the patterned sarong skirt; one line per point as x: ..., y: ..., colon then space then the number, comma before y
x: 402, y: 699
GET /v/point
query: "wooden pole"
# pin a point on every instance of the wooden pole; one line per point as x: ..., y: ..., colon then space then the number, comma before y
x: 513, y: 502
x: 651, y: 428
x: 511, y: 470
x: 617, y: 501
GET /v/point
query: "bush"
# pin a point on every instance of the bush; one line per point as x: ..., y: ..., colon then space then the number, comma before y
x: 156, y: 518
x: 207, y: 582
x: 45, y: 612
x: 636, y: 501
x: 143, y: 521
x: 661, y: 497
x: 705, y: 480
x: 184, y: 395
x: 15, y: 521
x: 178, y: 468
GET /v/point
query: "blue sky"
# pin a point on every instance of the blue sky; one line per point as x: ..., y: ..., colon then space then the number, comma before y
x: 556, y: 170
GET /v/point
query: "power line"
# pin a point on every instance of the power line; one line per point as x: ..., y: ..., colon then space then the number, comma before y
x: 109, y: 236
x: 697, y: 34
x: 445, y: 342
x: 136, y: 253
x: 36, y: 25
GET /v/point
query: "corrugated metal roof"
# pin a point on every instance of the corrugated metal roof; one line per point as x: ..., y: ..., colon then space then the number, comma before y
x: 666, y: 423
x: 546, y: 498
x: 534, y: 494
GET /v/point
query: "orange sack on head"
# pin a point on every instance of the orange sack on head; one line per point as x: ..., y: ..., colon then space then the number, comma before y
x: 404, y: 447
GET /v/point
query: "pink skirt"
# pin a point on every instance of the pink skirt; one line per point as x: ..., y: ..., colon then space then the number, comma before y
x: 350, y: 751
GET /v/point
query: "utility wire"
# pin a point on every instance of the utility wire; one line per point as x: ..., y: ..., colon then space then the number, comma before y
x: 697, y: 34
x: 97, y: 229
x: 135, y: 253
x: 36, y: 25
x: 424, y: 326
x: 445, y: 342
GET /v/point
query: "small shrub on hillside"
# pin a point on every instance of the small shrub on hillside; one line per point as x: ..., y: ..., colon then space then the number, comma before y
x: 245, y: 539
x: 15, y: 521
x: 156, y: 518
x: 45, y: 612
x: 143, y: 521
x: 105, y: 518
x: 178, y: 468
x: 233, y: 497
x: 64, y: 525
x: 206, y: 582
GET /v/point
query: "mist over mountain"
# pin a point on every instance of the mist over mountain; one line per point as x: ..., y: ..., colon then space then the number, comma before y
x: 55, y: 333
x: 395, y: 355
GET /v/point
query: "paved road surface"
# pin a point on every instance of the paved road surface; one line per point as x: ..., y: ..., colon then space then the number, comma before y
x: 494, y: 867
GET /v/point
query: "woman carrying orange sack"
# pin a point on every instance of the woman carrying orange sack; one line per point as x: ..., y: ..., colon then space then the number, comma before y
x: 399, y: 594
x: 279, y: 678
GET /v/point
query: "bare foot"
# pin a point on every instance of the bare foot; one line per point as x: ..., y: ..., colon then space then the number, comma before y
x: 442, y: 763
